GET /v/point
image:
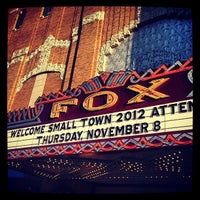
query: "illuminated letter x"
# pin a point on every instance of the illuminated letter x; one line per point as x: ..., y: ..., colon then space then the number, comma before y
x: 150, y: 92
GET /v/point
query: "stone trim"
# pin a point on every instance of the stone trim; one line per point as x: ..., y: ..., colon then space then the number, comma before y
x: 45, y: 50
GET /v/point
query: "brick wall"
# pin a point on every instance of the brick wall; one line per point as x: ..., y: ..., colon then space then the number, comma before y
x: 44, y: 45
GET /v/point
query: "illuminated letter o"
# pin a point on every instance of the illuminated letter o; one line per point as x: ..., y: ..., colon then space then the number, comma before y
x: 111, y: 100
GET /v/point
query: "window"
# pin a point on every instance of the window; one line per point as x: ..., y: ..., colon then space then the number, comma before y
x: 46, y: 11
x: 20, y: 19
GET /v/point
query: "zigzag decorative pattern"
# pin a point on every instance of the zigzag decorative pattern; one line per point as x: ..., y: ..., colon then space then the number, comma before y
x: 30, y: 116
x: 105, y: 80
x: 117, y: 79
x: 111, y: 145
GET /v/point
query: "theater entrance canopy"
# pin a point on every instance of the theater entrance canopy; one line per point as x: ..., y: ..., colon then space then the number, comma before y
x: 120, y: 127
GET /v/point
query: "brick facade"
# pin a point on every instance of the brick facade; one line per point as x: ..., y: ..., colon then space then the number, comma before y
x: 41, y: 45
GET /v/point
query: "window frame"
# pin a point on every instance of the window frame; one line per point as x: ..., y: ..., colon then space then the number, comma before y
x: 46, y: 11
x: 20, y: 19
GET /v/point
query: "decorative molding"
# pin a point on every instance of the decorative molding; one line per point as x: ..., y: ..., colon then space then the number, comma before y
x: 20, y: 52
x: 75, y: 31
x: 18, y: 56
x: 105, y: 80
x: 45, y: 50
x: 115, y: 41
x: 43, y: 65
x: 99, y: 15
x: 15, y: 60
x: 134, y: 142
x: 118, y: 79
x: 28, y: 116
x: 89, y: 19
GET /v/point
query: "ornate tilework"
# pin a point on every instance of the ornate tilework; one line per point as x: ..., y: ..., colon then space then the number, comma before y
x: 163, y: 36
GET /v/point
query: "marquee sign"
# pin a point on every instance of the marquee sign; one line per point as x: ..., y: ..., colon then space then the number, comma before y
x: 113, y: 111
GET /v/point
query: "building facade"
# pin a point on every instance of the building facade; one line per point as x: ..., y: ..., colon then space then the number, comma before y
x: 55, y: 52
x: 42, y: 50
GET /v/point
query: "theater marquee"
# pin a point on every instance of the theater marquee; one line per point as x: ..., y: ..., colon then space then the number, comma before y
x: 114, y: 111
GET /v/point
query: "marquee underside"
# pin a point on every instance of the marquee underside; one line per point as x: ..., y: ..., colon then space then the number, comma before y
x: 166, y: 165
